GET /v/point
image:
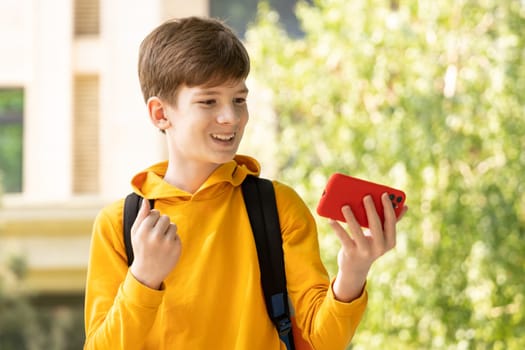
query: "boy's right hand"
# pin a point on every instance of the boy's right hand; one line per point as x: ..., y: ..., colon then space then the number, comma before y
x: 156, y: 246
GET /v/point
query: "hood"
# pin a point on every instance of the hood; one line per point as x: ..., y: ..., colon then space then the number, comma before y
x: 150, y: 183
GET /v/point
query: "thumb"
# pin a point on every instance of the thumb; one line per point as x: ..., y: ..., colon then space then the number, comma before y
x: 143, y: 213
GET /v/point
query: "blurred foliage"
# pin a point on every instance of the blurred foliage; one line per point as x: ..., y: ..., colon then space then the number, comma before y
x: 11, y: 99
x: 11, y: 111
x: 18, y: 320
x: 427, y: 96
x: 25, y: 326
x: 11, y: 157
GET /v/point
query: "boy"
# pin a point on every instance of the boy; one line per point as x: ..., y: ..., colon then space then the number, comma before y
x: 194, y: 282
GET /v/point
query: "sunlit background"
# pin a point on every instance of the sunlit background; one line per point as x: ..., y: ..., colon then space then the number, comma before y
x: 427, y: 96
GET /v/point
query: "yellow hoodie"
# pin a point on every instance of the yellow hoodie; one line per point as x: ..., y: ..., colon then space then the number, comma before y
x: 213, y: 298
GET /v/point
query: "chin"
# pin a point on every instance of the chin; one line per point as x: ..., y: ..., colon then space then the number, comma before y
x: 225, y: 158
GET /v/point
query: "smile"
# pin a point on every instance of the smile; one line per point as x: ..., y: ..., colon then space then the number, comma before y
x: 223, y: 137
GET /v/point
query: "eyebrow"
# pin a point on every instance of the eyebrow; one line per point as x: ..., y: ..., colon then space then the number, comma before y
x: 212, y: 92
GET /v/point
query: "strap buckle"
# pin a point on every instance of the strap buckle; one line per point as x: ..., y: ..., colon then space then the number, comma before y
x: 284, y: 325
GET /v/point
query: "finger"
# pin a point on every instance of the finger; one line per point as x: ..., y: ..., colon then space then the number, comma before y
x: 403, y: 212
x: 374, y: 221
x: 144, y: 207
x: 390, y: 222
x: 340, y: 232
x: 355, y: 228
x: 162, y: 224
x: 152, y: 218
x: 171, y: 232
x: 388, y: 210
x: 144, y: 211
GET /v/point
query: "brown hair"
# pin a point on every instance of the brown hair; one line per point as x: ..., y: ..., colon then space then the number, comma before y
x: 191, y: 51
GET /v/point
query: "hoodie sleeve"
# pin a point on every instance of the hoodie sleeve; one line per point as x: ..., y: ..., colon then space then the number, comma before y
x: 119, y: 311
x: 324, y: 322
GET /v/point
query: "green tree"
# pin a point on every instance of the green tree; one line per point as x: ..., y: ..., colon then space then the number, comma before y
x: 18, y: 319
x: 28, y: 325
x: 11, y: 110
x: 426, y: 96
x: 29, y: 321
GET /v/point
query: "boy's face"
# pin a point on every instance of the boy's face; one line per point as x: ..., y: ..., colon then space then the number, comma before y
x: 206, y: 124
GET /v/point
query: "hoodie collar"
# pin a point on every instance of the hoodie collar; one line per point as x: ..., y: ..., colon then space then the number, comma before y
x: 150, y: 183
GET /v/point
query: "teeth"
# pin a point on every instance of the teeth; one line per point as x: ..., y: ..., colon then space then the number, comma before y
x: 223, y: 137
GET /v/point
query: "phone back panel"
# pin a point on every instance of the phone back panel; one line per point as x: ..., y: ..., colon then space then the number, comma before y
x: 344, y: 190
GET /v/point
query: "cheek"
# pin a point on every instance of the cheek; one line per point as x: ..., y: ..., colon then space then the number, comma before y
x: 245, y: 116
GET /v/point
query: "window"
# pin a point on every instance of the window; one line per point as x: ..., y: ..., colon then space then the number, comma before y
x: 87, y: 17
x: 11, y: 134
x: 85, y: 135
x: 240, y: 13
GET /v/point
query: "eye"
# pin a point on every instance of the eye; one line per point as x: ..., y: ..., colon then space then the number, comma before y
x: 239, y: 100
x: 207, y: 103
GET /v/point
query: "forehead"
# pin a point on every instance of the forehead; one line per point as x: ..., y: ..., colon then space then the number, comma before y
x: 237, y: 86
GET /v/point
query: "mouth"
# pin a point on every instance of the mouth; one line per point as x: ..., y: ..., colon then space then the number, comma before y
x: 223, y: 137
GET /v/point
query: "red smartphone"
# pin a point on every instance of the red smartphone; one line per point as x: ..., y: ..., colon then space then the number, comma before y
x: 347, y: 190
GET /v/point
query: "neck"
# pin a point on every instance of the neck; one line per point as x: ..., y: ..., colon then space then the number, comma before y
x: 188, y: 177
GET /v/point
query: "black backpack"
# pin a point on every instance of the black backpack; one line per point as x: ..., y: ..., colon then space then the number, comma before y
x: 259, y: 197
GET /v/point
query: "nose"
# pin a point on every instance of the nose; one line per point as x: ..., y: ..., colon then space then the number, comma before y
x: 229, y: 115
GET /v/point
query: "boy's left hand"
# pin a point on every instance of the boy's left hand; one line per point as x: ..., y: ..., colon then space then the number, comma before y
x: 361, y: 248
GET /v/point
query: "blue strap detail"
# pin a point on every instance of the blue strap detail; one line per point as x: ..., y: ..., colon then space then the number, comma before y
x: 278, y: 303
x: 283, y: 322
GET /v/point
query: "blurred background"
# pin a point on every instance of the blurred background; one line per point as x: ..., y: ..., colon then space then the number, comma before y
x: 427, y: 96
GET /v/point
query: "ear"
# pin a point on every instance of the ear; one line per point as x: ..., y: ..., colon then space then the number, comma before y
x: 158, y: 113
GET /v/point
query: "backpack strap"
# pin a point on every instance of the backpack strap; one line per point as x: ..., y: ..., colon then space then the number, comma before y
x: 132, y: 205
x: 259, y: 197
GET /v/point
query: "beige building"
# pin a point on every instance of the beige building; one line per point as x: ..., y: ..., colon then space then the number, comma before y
x: 85, y: 127
x: 83, y: 117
